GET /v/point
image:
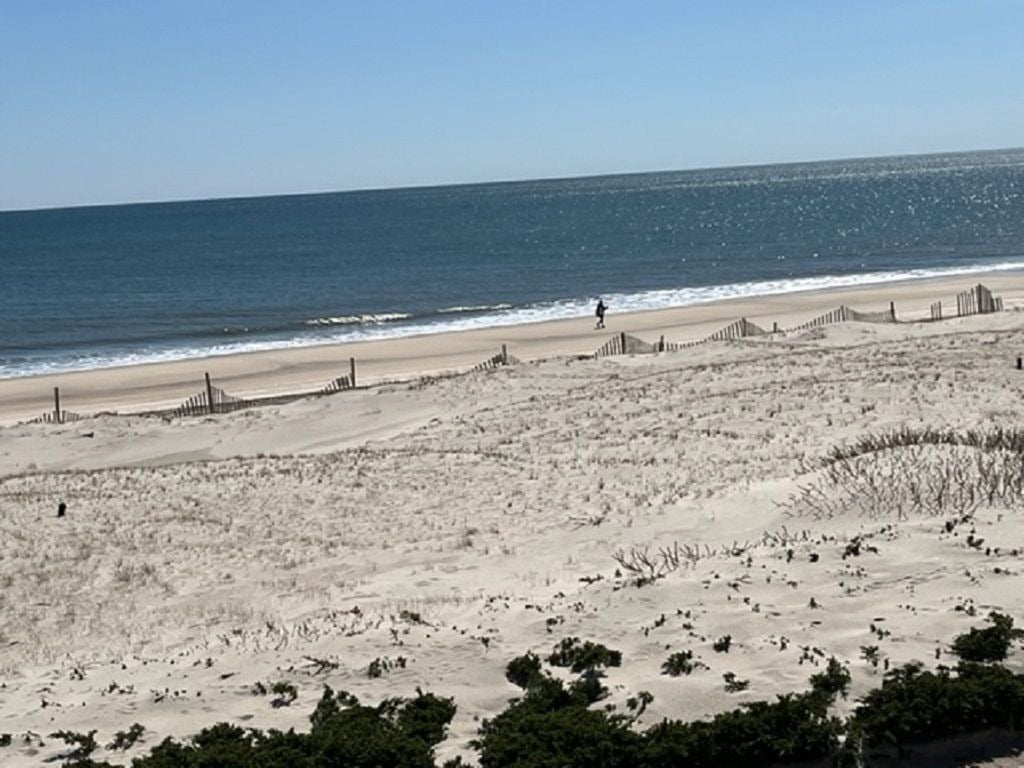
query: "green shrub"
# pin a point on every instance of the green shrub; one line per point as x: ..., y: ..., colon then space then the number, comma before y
x: 126, y: 739
x: 84, y: 744
x: 284, y: 694
x: 680, y: 663
x: 870, y: 654
x: 989, y: 644
x: 552, y: 727
x: 733, y: 684
x: 638, y: 704
x: 588, y: 688
x: 915, y: 705
x: 425, y: 718
x: 835, y: 679
x: 580, y: 656
x: 399, y: 732
x: 523, y: 670
x: 383, y: 664
x: 792, y: 728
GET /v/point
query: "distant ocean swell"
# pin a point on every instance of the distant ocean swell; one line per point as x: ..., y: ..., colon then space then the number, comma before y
x: 351, y: 328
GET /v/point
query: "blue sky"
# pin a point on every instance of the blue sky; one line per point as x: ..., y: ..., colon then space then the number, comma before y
x: 105, y: 101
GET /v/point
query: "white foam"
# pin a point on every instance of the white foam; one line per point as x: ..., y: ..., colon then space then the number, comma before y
x: 476, y: 308
x: 387, y: 317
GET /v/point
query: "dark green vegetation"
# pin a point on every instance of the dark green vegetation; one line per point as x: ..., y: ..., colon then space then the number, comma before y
x: 126, y: 739
x: 398, y: 732
x: 581, y: 656
x: 834, y: 680
x: 523, y: 670
x: 679, y: 663
x: 915, y: 705
x: 555, y: 725
x: 989, y: 644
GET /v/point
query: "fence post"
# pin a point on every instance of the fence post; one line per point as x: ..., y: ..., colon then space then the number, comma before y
x: 1020, y: 364
x: 56, y: 405
x: 504, y: 354
x: 352, y: 371
x: 622, y: 340
x: 892, y: 310
x: 661, y: 343
x: 209, y: 394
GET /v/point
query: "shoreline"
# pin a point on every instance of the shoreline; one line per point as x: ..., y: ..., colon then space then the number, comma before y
x: 296, y: 369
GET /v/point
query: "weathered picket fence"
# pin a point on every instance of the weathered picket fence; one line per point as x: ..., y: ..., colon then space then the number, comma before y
x: 740, y: 329
x: 58, y: 415
x: 844, y: 314
x: 625, y: 344
x: 213, y: 399
x: 499, y: 360
x: 977, y: 301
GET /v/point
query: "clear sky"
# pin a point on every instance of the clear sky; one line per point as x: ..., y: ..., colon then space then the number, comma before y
x: 108, y: 101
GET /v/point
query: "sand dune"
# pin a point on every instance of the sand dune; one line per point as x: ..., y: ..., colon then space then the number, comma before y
x: 445, y: 527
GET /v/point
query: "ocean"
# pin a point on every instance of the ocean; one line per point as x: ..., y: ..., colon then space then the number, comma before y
x: 112, y: 285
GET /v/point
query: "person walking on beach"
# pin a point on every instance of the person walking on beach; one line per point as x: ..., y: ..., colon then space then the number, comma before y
x: 600, y: 313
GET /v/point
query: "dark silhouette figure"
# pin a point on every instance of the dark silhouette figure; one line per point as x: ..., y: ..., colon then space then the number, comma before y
x: 599, y: 312
x: 62, y: 509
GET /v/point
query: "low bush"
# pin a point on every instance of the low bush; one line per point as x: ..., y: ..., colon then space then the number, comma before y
x: 581, y: 656
x: 126, y: 739
x: 680, y: 663
x: 834, y: 680
x: 83, y: 744
x: 989, y: 644
x: 284, y: 694
x: 552, y: 726
x: 733, y: 684
x: 915, y: 705
x: 523, y: 670
x: 398, y: 732
x: 792, y: 728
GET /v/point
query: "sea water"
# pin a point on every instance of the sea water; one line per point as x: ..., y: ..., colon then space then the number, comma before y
x: 110, y: 285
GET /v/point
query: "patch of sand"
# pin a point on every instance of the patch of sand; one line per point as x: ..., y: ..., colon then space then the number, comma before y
x: 448, y: 526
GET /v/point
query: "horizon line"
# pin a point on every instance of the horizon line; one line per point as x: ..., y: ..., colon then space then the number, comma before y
x: 492, y: 182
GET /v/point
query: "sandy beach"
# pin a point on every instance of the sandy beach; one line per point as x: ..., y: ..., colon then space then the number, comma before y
x: 166, y: 385
x: 441, y: 526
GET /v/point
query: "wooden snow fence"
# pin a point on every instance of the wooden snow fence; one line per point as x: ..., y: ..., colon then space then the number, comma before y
x: 63, y: 417
x: 936, y: 310
x: 625, y: 344
x: 211, y: 400
x: 58, y: 415
x: 499, y: 360
x: 216, y: 400
x: 337, y: 385
x: 977, y: 301
x: 844, y: 314
x: 740, y: 329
